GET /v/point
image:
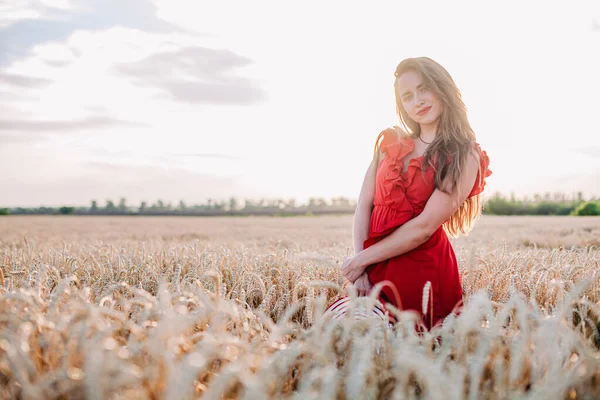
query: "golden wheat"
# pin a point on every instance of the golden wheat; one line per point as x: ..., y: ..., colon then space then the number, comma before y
x: 230, y: 308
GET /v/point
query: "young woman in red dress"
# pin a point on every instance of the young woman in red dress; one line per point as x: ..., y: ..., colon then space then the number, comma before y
x: 423, y: 185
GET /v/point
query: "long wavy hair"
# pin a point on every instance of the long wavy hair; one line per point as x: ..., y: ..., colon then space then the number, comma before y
x: 454, y: 137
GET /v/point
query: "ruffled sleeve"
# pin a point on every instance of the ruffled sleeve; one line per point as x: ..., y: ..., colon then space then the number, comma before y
x: 393, y: 145
x: 389, y: 138
x: 483, y: 173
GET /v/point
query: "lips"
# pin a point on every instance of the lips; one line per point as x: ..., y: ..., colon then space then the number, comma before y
x: 423, y: 111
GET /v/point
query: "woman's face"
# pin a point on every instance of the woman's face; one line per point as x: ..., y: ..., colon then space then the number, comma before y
x: 421, y: 104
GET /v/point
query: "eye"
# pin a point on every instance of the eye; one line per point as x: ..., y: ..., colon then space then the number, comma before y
x: 424, y: 88
x: 407, y: 97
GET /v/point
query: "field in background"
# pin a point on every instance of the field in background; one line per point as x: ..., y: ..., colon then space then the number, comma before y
x: 176, y: 307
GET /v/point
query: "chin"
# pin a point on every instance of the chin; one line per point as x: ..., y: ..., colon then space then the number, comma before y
x: 428, y: 119
x: 425, y: 120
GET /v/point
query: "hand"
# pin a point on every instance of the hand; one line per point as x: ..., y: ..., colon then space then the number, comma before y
x: 363, y: 285
x: 352, y: 268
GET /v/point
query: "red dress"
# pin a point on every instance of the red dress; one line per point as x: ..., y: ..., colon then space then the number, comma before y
x: 399, y: 197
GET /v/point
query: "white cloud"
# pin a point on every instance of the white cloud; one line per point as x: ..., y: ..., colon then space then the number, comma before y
x: 88, y: 79
x: 18, y: 10
x: 196, y: 75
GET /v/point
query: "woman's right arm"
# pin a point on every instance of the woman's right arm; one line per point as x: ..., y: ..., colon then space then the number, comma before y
x: 364, y: 208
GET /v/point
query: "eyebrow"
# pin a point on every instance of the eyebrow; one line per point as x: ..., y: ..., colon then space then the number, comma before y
x: 407, y: 92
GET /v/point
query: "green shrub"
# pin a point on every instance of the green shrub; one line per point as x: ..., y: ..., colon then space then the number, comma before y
x: 588, y: 208
x: 4, y: 211
x: 66, y: 210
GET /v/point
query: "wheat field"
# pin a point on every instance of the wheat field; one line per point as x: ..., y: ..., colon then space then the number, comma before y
x: 229, y: 308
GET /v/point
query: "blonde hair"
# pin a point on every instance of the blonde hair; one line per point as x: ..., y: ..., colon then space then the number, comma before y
x: 454, y: 137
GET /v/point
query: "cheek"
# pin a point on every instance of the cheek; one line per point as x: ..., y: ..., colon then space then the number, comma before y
x: 431, y: 98
x: 440, y: 107
x: 437, y: 103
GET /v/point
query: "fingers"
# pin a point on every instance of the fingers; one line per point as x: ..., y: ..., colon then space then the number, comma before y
x: 351, y: 276
x: 348, y: 276
x: 358, y: 289
x: 361, y: 290
x: 364, y: 290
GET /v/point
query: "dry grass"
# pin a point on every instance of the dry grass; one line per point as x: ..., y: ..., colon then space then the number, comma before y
x: 229, y: 308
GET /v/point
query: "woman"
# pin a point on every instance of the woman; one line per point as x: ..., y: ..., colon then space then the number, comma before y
x: 423, y: 184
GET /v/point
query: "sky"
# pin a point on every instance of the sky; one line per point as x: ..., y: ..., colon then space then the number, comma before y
x: 190, y: 100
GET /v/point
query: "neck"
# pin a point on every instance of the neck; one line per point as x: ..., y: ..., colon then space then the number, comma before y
x: 428, y: 132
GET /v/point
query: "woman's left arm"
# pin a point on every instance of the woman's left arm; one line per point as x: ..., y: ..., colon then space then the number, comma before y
x: 439, y: 208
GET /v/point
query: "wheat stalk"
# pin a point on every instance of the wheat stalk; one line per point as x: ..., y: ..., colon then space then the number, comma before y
x: 93, y: 316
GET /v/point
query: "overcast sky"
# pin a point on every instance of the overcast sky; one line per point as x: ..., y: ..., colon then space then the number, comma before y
x: 173, y: 99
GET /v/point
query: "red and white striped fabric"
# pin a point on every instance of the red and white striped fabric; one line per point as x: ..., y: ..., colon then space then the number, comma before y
x: 363, y: 309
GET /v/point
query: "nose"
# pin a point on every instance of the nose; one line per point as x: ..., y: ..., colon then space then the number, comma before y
x: 418, y: 99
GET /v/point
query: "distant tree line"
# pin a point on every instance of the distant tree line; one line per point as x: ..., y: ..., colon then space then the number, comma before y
x: 498, y: 204
x: 231, y: 206
x: 547, y: 204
